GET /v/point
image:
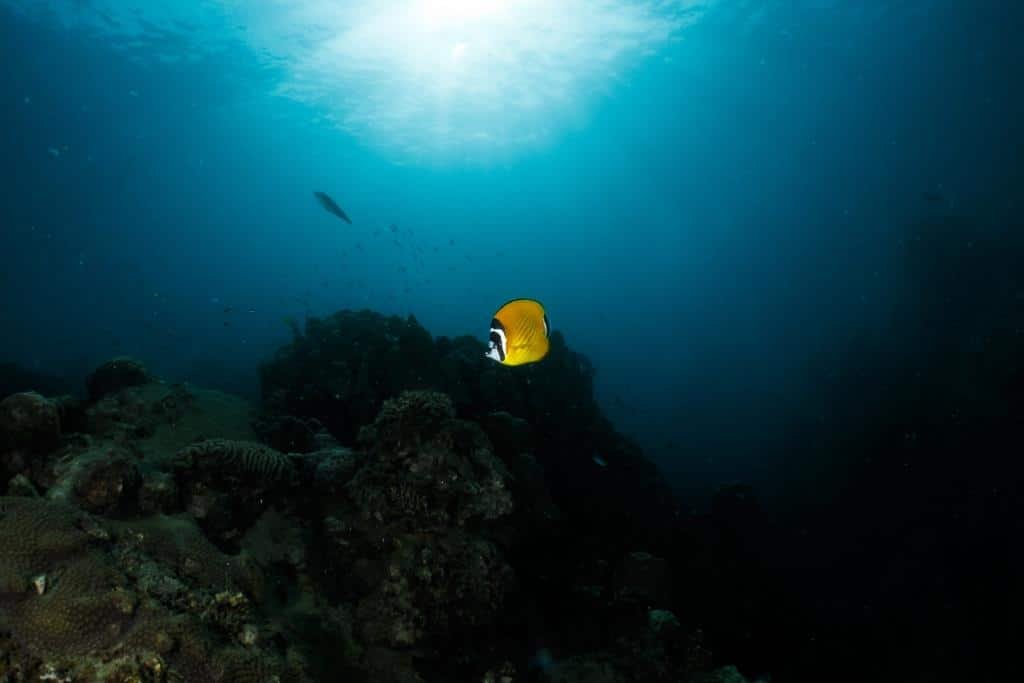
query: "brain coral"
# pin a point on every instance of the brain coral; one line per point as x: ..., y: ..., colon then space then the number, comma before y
x: 238, y: 459
x: 84, y: 607
x: 36, y: 536
x: 151, y: 600
x: 57, y: 593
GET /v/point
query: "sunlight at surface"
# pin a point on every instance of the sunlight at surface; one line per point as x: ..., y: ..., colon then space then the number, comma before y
x: 444, y: 80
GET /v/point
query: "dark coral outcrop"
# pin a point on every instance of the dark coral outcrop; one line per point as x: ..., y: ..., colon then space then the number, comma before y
x: 343, y: 367
x: 115, y: 375
x: 340, y: 370
x: 29, y: 421
x: 463, y: 450
x: 406, y: 545
x: 401, y: 510
x: 103, y: 575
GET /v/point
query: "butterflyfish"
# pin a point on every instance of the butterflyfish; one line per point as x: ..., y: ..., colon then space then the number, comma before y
x: 331, y: 206
x: 519, y: 333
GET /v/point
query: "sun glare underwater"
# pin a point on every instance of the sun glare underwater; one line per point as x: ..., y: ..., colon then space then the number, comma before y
x: 440, y: 80
x: 519, y: 341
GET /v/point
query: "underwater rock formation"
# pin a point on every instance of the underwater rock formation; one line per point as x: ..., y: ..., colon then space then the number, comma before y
x: 404, y: 545
x: 114, y: 375
x: 114, y: 595
x: 426, y: 469
x: 508, y: 451
x: 160, y: 540
x: 84, y: 604
x: 100, y: 480
x: 339, y: 371
x: 343, y: 368
x: 29, y: 421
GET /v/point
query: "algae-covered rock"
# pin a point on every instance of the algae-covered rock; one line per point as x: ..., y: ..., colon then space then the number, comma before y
x: 29, y: 421
x: 403, y: 542
x: 22, y: 486
x: 114, y: 375
x: 158, y: 492
x: 329, y: 470
x: 340, y: 369
x: 101, y: 479
x: 432, y: 588
x: 157, y: 420
x: 428, y: 469
x: 176, y: 543
x: 726, y: 674
x: 108, y: 485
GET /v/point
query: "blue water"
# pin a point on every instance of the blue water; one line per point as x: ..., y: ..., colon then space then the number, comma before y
x: 710, y: 198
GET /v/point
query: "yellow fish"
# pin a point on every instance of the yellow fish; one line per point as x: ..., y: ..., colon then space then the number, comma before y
x: 519, y: 333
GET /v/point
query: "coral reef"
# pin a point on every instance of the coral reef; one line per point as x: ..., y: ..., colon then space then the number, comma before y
x: 428, y: 470
x: 377, y: 521
x: 343, y: 368
x: 403, y: 544
x: 76, y: 595
x: 340, y: 370
x: 460, y: 463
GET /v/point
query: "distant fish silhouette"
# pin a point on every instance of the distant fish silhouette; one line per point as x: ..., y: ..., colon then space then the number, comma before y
x: 331, y: 206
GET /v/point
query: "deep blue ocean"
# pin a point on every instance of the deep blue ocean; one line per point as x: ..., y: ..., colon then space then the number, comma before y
x: 776, y: 229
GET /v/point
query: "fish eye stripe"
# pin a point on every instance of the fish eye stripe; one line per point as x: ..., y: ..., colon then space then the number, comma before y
x: 498, y: 342
x: 496, y: 324
x: 547, y: 325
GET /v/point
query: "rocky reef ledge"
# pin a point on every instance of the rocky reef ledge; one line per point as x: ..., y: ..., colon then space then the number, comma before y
x: 397, y: 510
